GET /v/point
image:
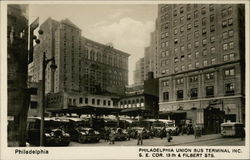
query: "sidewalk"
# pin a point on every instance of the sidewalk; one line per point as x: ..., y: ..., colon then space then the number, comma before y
x: 185, y: 139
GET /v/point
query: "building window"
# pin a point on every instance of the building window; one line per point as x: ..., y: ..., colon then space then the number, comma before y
x: 197, y: 64
x: 176, y: 60
x: 86, y: 100
x: 224, y: 13
x: 224, y: 23
x: 176, y: 50
x: 203, y: 10
x: 225, y: 46
x: 33, y: 91
x: 189, y: 66
x: 80, y: 100
x: 109, y: 103
x: 176, y: 40
x: 204, y: 52
x: 181, y: 19
x: 229, y: 72
x: 210, y: 91
x: 182, y: 29
x: 181, y: 9
x: 212, y: 49
x: 193, y: 78
x: 196, y: 44
x: 196, y: 14
x: 204, y: 42
x: 231, y: 45
x: 93, y: 101
x: 33, y: 105
x: 165, y: 83
x: 165, y: 96
x: 230, y: 21
x: 212, y: 18
x: 196, y: 34
x: 213, y: 61
x: 182, y: 48
x: 211, y: 7
x: 98, y: 101
x: 196, y: 23
x: 231, y: 56
x: 175, y: 31
x: 212, y: 28
x: 188, y: 16
x: 182, y: 58
x: 204, y: 31
x: 179, y: 94
x: 175, y: 12
x: 225, y: 58
x: 197, y: 54
x: 176, y: 69
x: 189, y: 26
x: 229, y: 88
x: 225, y: 35
x: 104, y: 103
x: 204, y: 21
x: 231, y: 33
x: 194, y: 93
x: 182, y: 68
x: 205, y: 63
x: 209, y: 76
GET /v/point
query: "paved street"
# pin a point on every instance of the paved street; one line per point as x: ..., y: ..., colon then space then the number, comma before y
x: 183, y: 140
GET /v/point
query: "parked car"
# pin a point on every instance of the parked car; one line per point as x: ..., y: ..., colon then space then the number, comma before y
x: 145, y: 133
x: 121, y: 134
x: 83, y: 135
x: 79, y: 129
x: 54, y: 135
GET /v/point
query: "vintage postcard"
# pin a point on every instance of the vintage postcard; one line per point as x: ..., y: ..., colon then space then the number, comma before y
x: 124, y: 80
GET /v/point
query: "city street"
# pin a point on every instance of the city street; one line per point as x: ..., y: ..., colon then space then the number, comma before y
x: 182, y: 140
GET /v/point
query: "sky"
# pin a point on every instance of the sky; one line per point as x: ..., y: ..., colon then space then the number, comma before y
x: 126, y: 26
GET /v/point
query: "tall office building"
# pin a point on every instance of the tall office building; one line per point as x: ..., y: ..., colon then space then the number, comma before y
x: 201, y: 54
x: 139, y: 71
x: 83, y: 66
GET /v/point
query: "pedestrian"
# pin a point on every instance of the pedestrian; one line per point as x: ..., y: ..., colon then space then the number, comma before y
x: 169, y: 137
x: 242, y: 133
x: 140, y: 137
x: 112, y: 137
x: 106, y: 134
x: 129, y: 132
x: 162, y: 132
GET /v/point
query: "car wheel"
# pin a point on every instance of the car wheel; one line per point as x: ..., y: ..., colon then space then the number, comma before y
x: 81, y: 139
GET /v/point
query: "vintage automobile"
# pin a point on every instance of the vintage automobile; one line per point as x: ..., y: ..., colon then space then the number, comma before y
x: 135, y: 130
x: 54, y: 135
x: 121, y: 134
x: 79, y: 129
x: 232, y: 129
x: 170, y: 126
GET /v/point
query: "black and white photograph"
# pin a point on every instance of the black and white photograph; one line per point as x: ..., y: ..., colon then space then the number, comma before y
x: 128, y: 75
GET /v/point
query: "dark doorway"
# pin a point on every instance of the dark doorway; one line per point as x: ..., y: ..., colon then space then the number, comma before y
x: 213, y: 117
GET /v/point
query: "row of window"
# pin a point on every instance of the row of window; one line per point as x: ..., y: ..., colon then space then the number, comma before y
x: 193, y: 92
x: 208, y: 76
x: 132, y: 103
x: 72, y: 101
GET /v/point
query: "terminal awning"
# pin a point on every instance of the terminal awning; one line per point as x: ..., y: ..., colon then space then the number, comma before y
x: 87, y: 110
x: 135, y: 111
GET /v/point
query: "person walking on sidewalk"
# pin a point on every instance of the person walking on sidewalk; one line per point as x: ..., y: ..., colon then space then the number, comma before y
x: 112, y: 136
x: 140, y: 137
x: 169, y: 137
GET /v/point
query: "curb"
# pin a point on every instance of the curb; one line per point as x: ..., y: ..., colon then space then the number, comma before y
x: 193, y: 141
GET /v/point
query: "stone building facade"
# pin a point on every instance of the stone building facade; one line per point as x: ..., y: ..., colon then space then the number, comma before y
x: 201, y: 53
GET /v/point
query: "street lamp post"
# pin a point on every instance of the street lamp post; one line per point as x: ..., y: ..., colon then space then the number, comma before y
x: 53, y: 67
